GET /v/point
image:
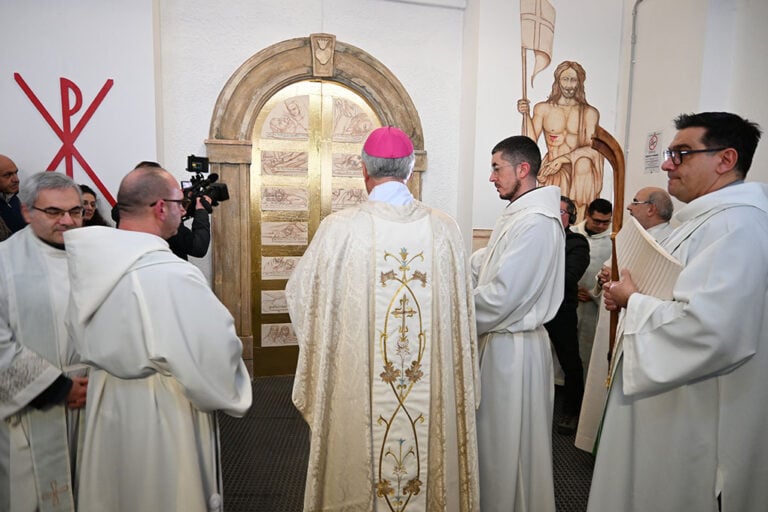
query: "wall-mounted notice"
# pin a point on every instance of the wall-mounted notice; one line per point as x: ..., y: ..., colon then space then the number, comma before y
x: 653, y: 150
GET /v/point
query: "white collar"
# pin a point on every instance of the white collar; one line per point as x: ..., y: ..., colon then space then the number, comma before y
x: 392, y: 192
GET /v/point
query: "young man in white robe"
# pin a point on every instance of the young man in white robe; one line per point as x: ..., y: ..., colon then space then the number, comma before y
x: 164, y: 353
x: 519, y: 284
x: 39, y: 403
x: 684, y: 426
x: 381, y: 303
x: 596, y: 226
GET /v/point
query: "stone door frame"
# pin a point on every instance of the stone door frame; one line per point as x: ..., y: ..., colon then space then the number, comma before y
x: 229, y: 149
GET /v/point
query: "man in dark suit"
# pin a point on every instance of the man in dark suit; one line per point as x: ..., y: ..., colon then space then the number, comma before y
x: 562, y: 328
x: 11, y: 219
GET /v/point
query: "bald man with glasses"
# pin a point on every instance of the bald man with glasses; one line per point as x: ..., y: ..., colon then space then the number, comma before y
x: 652, y: 207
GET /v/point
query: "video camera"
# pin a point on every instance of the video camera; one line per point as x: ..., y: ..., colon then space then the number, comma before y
x: 199, y: 186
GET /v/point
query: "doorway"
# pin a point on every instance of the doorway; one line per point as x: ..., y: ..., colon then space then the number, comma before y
x: 285, y: 136
x: 306, y: 164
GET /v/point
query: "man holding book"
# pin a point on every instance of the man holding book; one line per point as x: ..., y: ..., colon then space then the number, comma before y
x: 685, y: 419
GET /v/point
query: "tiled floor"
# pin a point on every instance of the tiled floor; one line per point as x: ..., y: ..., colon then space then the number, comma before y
x: 264, y: 456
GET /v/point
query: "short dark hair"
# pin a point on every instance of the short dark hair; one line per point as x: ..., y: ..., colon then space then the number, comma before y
x: 600, y: 205
x: 723, y: 129
x: 518, y: 149
x: 85, y: 189
x: 570, y: 207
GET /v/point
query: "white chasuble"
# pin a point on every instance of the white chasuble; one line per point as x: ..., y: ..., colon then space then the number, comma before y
x: 387, y: 376
x: 400, y: 388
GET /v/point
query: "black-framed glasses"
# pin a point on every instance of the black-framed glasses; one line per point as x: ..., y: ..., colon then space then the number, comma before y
x: 676, y: 155
x: 183, y: 202
x: 57, y: 213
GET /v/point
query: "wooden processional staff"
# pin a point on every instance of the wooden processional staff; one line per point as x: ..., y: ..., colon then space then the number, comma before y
x: 604, y: 143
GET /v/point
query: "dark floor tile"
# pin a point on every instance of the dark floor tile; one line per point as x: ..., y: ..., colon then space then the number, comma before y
x: 264, y: 456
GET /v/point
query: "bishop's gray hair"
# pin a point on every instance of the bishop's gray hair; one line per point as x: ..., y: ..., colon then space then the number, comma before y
x: 389, y: 167
x: 47, y: 180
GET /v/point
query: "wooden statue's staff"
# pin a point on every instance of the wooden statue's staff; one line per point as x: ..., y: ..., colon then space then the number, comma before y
x: 604, y: 143
x: 524, y: 130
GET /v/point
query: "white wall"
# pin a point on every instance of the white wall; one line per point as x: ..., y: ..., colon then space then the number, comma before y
x: 693, y: 56
x: 87, y: 42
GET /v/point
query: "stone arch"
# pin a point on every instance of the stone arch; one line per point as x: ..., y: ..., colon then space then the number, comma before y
x: 229, y: 149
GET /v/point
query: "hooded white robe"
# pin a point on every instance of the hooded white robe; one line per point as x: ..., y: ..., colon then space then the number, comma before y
x: 688, y: 407
x: 519, y: 282
x: 165, y: 357
x: 338, y: 298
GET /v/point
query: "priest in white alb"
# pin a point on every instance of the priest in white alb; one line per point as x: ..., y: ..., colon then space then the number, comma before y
x: 684, y: 426
x: 381, y: 304
x: 42, y: 390
x: 164, y: 354
x: 519, y: 285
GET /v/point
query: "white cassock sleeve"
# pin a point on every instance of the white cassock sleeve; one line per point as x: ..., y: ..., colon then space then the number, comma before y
x: 510, y: 287
x: 710, y: 326
x: 23, y: 373
x: 196, y: 342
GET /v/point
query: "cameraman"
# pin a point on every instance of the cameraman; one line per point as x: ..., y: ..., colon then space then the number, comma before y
x: 193, y: 242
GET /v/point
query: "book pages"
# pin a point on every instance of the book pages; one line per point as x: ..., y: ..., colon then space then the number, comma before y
x: 653, y: 269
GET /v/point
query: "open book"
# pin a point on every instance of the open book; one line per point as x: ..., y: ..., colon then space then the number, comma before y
x: 653, y: 269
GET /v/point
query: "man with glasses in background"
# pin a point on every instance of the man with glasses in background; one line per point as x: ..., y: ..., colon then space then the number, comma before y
x: 164, y: 354
x: 39, y: 403
x: 685, y: 421
x: 563, y: 328
x: 652, y: 207
x: 596, y: 227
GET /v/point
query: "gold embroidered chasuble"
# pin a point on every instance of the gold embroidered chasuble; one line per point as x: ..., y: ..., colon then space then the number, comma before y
x: 400, y: 394
x: 387, y: 376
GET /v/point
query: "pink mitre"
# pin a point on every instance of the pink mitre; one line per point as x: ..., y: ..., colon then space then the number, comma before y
x: 388, y: 142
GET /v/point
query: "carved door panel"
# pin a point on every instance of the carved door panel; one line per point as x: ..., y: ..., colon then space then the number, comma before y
x: 305, y: 165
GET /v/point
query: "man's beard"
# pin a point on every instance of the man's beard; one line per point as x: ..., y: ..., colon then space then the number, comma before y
x: 511, y: 195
